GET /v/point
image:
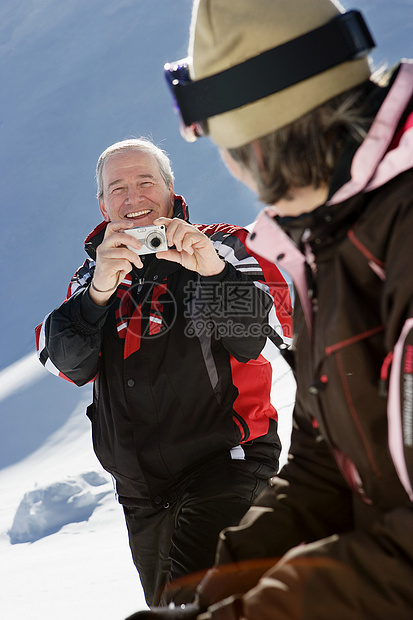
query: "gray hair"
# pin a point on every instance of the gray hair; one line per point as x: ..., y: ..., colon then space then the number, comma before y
x: 135, y: 144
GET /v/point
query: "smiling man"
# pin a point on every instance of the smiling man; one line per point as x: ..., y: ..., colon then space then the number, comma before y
x: 176, y: 343
x: 132, y: 187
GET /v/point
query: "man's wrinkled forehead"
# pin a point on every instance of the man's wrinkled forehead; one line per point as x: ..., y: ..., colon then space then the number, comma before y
x: 118, y: 165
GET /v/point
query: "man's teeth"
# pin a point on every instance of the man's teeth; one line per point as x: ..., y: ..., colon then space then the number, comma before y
x: 138, y: 213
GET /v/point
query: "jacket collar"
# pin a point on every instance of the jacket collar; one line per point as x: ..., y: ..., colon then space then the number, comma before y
x: 387, y: 150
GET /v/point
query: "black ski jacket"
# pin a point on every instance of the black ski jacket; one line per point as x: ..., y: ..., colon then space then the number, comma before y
x: 180, y: 363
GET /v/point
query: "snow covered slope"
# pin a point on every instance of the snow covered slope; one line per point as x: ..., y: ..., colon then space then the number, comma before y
x: 63, y: 544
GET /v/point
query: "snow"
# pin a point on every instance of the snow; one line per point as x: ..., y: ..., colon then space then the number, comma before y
x: 46, y: 510
x: 79, y: 76
x: 63, y: 543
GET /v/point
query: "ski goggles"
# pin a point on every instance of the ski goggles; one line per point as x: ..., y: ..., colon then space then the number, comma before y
x: 346, y: 37
x: 177, y: 76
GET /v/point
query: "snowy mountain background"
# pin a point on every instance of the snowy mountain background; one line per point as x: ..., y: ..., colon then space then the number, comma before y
x: 76, y: 76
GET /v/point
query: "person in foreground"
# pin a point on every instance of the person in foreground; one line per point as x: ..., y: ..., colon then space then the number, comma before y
x: 176, y: 416
x: 332, y: 152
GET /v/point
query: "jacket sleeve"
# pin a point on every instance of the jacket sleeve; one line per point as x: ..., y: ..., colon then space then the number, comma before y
x: 354, y: 575
x: 69, y: 339
x: 248, y: 305
x: 307, y: 501
x: 296, y: 553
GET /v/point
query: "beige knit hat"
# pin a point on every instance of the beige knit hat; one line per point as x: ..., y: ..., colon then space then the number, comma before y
x: 225, y: 33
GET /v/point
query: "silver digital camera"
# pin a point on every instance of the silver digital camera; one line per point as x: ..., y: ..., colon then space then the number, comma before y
x: 152, y: 238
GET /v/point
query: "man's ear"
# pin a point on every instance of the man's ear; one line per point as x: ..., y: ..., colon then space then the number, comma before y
x: 103, y: 210
x: 172, y: 195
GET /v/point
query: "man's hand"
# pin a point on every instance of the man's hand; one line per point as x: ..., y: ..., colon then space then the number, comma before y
x: 193, y: 250
x: 113, y: 261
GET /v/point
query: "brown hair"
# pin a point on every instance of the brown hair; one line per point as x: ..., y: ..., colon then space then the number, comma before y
x: 306, y: 151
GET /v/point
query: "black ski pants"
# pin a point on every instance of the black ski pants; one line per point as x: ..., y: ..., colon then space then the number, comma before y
x: 176, y: 540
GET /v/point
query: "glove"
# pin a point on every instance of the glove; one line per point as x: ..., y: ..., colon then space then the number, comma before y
x: 183, y: 612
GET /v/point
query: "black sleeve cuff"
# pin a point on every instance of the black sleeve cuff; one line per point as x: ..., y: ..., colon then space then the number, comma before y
x: 91, y: 312
x: 219, y: 277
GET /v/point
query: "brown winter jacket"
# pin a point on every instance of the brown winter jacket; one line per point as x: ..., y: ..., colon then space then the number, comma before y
x: 339, y: 515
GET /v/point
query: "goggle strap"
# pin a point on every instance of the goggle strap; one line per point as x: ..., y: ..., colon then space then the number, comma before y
x: 344, y: 38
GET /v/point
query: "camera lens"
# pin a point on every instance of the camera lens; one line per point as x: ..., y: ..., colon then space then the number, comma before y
x: 155, y: 241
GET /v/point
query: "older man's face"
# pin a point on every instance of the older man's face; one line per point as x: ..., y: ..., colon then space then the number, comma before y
x: 134, y: 190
